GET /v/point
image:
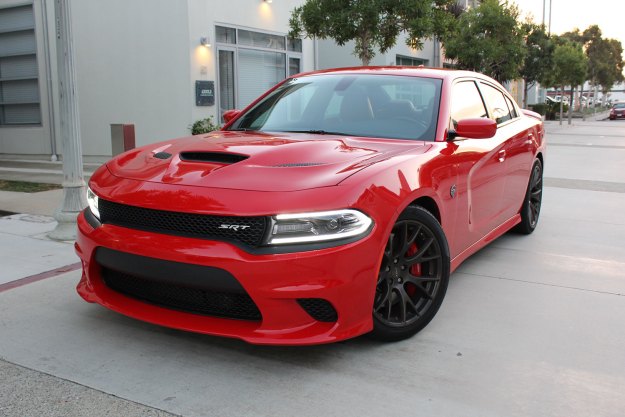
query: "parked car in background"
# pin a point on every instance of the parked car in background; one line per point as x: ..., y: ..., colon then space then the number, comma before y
x: 617, y: 111
x: 337, y: 204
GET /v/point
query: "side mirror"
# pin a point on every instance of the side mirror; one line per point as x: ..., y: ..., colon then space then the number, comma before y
x: 231, y: 114
x: 476, y: 128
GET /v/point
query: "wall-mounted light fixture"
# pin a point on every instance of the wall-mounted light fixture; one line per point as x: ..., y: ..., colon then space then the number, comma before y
x: 268, y: 1
x: 205, y: 41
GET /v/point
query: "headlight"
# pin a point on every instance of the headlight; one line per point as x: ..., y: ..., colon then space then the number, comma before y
x: 92, y: 200
x: 318, y: 227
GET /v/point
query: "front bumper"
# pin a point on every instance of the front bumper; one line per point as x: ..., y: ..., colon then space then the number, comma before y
x: 345, y: 276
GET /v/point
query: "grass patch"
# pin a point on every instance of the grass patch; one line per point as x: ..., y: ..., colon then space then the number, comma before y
x: 27, y: 187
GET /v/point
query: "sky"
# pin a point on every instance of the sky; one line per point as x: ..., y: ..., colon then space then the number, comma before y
x: 569, y: 14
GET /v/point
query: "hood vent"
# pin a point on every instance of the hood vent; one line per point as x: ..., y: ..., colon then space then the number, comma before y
x: 162, y: 155
x: 298, y: 164
x: 213, y: 157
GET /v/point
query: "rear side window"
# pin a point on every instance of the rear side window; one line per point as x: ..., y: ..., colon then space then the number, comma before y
x: 466, y: 102
x: 496, y: 102
x: 513, y: 112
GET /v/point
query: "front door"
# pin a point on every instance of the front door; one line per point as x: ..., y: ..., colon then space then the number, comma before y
x: 482, y: 163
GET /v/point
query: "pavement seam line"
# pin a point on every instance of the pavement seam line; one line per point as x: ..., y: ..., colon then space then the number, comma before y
x: 590, y: 145
x: 544, y: 284
x: 88, y: 387
x: 605, y: 261
x: 586, y: 185
x: 39, y: 277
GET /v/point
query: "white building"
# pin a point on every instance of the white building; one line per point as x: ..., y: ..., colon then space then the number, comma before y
x: 139, y: 61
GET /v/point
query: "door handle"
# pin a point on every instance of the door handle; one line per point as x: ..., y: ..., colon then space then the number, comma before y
x: 502, y: 155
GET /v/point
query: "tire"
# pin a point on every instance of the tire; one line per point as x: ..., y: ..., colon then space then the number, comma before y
x: 413, y: 276
x: 530, y: 209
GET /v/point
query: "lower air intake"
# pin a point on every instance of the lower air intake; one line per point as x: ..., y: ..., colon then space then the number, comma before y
x: 193, y: 300
x: 319, y: 309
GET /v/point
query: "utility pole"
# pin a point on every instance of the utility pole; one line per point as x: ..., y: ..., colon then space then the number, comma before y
x: 74, y: 198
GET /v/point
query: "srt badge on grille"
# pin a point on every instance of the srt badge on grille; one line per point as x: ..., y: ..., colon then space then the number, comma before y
x: 235, y: 227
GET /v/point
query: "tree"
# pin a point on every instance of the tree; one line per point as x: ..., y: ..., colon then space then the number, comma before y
x: 372, y: 24
x: 488, y: 39
x: 570, y: 66
x: 605, y: 57
x: 607, y: 63
x: 539, y: 56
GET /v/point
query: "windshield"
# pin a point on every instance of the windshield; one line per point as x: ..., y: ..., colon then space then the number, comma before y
x: 385, y: 106
x: 619, y: 106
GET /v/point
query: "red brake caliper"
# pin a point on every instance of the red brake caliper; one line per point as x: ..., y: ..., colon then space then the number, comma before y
x: 414, y: 269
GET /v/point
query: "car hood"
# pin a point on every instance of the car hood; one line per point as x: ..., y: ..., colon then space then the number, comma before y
x: 257, y: 161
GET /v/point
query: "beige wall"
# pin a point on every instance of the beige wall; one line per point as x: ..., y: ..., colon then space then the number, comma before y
x: 331, y: 55
x: 132, y: 67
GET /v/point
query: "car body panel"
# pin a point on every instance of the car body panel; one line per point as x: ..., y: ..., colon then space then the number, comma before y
x: 307, y: 163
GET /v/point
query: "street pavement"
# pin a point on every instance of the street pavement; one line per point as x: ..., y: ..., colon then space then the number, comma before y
x: 531, y: 326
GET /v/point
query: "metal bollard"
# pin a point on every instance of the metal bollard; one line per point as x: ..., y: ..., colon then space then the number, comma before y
x: 122, y: 138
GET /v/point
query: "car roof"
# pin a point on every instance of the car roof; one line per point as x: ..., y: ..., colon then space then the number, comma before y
x: 441, y: 73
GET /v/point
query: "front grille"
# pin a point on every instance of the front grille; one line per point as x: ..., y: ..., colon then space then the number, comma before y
x: 319, y: 309
x: 246, y: 230
x: 193, y: 300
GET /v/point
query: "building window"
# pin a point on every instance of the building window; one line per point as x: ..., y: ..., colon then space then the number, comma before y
x: 250, y: 62
x: 408, y: 61
x: 19, y: 75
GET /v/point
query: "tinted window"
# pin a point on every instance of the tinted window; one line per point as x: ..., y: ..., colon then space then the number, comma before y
x: 496, y: 103
x: 354, y: 105
x: 466, y: 102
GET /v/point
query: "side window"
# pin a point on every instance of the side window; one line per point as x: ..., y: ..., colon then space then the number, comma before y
x: 496, y: 102
x: 513, y: 112
x: 466, y: 102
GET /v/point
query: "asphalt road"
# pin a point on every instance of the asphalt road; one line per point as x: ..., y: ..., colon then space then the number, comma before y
x: 531, y: 326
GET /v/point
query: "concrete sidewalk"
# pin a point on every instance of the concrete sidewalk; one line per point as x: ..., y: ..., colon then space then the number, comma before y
x: 27, y: 256
x: 38, y: 171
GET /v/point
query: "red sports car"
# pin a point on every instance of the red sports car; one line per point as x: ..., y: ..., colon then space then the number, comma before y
x: 337, y: 204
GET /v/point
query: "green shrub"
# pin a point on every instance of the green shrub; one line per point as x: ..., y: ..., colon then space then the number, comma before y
x: 539, y: 108
x: 204, y: 126
x: 550, y: 110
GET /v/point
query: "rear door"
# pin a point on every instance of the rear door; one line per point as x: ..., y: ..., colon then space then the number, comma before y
x: 516, y: 156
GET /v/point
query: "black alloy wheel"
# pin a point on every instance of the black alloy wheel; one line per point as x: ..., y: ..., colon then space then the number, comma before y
x: 413, y: 276
x: 530, y: 210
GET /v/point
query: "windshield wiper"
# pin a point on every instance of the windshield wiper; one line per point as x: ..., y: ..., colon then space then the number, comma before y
x: 243, y: 129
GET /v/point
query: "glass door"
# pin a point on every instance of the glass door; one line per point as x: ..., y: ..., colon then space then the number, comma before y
x: 227, y: 75
x: 295, y: 66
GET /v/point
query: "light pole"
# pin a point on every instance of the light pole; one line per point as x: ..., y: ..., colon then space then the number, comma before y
x: 550, y: 4
x: 74, y: 198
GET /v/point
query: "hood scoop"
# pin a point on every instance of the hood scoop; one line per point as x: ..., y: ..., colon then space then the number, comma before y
x: 213, y: 157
